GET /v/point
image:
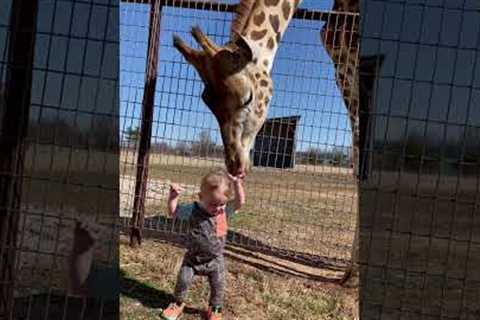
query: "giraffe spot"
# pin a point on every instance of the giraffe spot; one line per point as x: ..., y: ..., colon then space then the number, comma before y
x: 271, y: 44
x: 257, y: 75
x: 257, y: 35
x: 263, y: 83
x: 270, y: 3
x: 264, y: 73
x: 286, y: 8
x: 279, y: 36
x: 265, y: 63
x: 275, y: 22
x: 267, y: 101
x: 255, y: 61
x: 270, y: 90
x: 259, y: 18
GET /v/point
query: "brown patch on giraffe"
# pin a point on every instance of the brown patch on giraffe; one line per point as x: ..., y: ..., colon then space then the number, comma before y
x: 286, y: 8
x: 257, y: 75
x: 259, y: 18
x: 257, y: 35
x: 267, y: 101
x: 265, y: 63
x: 274, y: 22
x: 255, y: 61
x: 251, y: 77
x: 264, y: 83
x: 270, y: 3
x: 260, y: 95
x: 271, y: 44
x: 270, y: 90
x: 265, y: 73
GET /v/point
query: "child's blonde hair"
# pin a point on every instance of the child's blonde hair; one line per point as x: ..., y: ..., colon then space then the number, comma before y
x: 214, y: 179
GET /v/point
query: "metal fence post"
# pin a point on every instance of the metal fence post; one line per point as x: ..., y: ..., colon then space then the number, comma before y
x: 146, y: 127
x: 14, y: 129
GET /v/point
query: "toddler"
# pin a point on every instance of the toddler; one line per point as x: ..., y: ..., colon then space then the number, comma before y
x: 207, y: 231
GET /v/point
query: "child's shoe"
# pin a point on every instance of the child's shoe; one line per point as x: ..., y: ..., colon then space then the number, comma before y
x: 214, y: 313
x: 173, y: 311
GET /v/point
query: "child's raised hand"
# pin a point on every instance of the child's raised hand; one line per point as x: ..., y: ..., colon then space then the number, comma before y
x: 175, y: 190
x: 238, y: 178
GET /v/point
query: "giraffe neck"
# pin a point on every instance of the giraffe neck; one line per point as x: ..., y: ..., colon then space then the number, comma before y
x: 346, y: 5
x: 341, y: 43
x: 266, y: 26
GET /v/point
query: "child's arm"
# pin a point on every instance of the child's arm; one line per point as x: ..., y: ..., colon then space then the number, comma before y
x: 239, y: 192
x: 175, y: 191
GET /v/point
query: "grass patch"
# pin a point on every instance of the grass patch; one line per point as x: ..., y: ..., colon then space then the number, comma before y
x: 311, y: 211
x: 149, y: 275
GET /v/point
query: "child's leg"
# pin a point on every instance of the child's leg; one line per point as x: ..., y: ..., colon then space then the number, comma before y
x: 184, y: 280
x: 216, y: 279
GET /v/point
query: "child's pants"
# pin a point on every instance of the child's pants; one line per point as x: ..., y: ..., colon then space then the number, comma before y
x: 213, y: 269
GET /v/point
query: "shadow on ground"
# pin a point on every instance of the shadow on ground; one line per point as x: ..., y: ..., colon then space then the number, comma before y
x: 149, y: 297
x: 253, y: 252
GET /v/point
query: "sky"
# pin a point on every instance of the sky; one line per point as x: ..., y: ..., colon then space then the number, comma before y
x: 429, y: 83
x: 303, y: 77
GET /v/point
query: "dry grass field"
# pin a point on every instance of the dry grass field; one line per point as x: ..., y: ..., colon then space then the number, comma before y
x: 309, y: 210
x: 255, y: 290
x: 306, y: 212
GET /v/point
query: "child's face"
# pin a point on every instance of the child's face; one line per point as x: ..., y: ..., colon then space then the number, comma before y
x: 214, y: 198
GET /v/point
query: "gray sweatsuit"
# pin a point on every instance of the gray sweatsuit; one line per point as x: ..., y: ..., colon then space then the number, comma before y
x: 204, y: 256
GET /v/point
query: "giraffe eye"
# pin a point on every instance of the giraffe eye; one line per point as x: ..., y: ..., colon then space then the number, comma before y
x: 249, y: 100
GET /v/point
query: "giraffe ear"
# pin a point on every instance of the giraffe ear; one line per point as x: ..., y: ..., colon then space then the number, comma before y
x: 251, y: 48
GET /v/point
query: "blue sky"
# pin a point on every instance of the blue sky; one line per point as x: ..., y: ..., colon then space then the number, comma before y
x: 303, y: 75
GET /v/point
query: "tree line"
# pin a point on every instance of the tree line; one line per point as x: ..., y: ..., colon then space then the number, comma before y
x: 205, y: 146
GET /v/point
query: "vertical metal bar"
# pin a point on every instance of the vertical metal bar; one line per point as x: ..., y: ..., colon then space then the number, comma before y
x: 146, y: 127
x: 14, y: 129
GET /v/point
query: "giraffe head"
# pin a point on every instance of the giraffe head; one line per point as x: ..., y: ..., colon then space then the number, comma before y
x: 238, y: 86
x: 237, y: 91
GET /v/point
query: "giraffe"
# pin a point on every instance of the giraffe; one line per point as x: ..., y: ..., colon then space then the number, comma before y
x: 339, y: 36
x: 237, y: 75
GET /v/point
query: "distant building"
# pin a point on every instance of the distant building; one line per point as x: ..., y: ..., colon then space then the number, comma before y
x: 275, y: 143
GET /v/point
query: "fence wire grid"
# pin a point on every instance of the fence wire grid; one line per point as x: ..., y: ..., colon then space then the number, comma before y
x: 419, y: 239
x: 301, y: 195
x: 69, y: 154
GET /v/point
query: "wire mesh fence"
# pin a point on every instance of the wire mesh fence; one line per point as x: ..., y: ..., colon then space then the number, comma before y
x: 66, y: 75
x: 420, y: 202
x: 301, y: 194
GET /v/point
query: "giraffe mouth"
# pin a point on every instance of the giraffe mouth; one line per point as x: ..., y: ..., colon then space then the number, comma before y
x: 237, y: 163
